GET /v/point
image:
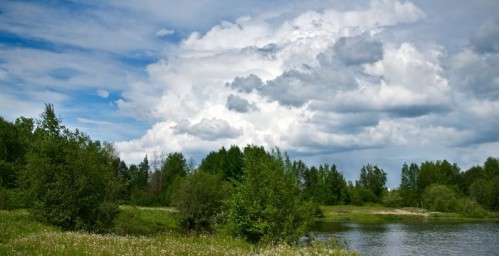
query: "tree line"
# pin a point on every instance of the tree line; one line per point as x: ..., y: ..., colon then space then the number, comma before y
x: 69, y: 180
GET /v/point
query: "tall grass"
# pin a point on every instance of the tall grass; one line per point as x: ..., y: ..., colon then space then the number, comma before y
x: 22, y: 235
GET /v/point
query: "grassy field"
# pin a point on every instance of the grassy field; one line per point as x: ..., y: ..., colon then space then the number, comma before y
x: 138, y: 231
x: 378, y: 213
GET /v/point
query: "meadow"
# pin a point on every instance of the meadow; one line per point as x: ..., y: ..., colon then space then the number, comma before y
x: 137, y: 231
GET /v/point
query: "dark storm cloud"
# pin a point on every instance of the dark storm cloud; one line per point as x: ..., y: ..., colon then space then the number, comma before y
x: 208, y: 129
x: 358, y: 50
x: 238, y: 104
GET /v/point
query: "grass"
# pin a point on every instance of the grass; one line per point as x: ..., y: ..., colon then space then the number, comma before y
x: 145, y: 221
x: 379, y: 213
x: 22, y: 235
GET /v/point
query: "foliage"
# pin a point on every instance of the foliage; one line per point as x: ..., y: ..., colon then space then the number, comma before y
x: 374, y: 179
x: 173, y: 169
x: 199, y: 198
x: 69, y: 178
x: 392, y: 198
x: 440, y: 172
x: 225, y: 163
x: 267, y: 206
x: 408, y: 184
x: 440, y: 198
x: 470, y: 208
x: 361, y: 195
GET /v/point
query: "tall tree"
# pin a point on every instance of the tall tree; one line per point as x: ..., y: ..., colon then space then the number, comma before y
x: 337, y: 187
x: 408, y: 184
x: 174, y: 168
x: 374, y: 179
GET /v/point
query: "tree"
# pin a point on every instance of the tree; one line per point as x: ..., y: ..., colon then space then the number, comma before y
x: 374, y: 179
x: 174, y: 168
x: 439, y: 172
x: 267, y: 206
x: 70, y: 178
x: 491, y: 167
x: 408, y: 184
x: 225, y: 163
x: 337, y: 187
x: 199, y: 198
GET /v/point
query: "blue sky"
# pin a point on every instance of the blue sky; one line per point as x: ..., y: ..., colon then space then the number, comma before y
x: 339, y: 82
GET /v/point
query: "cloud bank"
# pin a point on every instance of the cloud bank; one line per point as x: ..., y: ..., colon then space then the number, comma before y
x: 320, y: 83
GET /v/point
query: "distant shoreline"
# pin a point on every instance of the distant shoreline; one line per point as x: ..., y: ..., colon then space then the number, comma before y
x: 383, y: 214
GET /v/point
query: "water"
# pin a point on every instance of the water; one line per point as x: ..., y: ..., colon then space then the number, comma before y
x: 414, y: 238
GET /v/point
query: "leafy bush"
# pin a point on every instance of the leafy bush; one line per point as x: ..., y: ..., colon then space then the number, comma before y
x: 470, y: 208
x: 440, y: 198
x: 199, y: 198
x: 392, y: 199
x: 267, y: 206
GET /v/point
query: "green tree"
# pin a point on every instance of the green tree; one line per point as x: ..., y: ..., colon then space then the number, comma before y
x: 225, y: 163
x: 337, y: 191
x: 173, y: 169
x: 439, y: 172
x: 491, y: 167
x: 470, y: 176
x: 408, y: 184
x: 374, y: 179
x: 70, y: 178
x: 266, y: 206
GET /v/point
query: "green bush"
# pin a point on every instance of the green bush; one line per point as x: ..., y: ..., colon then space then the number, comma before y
x: 199, y: 198
x: 12, y: 199
x: 470, y: 208
x: 267, y: 206
x: 440, y: 198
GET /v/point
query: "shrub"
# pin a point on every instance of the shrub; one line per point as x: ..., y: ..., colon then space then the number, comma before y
x: 199, y: 198
x: 440, y: 198
x: 470, y: 208
x: 267, y: 206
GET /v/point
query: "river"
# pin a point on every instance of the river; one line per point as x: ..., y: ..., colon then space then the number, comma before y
x: 429, y: 238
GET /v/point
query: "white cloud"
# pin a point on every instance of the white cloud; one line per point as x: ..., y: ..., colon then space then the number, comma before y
x: 164, y: 32
x: 103, y: 93
x: 189, y: 93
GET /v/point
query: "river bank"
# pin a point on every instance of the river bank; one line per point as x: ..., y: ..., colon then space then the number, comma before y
x: 378, y: 213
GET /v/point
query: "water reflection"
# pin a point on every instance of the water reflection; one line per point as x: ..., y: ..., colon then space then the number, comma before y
x: 414, y: 238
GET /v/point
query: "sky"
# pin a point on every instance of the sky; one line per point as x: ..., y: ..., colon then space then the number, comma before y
x: 338, y: 82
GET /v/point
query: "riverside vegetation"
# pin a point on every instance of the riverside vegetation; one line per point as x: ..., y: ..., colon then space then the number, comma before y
x: 252, y: 200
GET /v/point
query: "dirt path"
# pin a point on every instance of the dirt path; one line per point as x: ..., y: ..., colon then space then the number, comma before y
x: 402, y: 212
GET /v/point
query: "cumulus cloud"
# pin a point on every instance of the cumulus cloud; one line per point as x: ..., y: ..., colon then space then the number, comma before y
x: 239, y: 104
x: 486, y: 38
x: 358, y: 50
x: 287, y: 69
x: 246, y: 84
x: 208, y: 129
x: 317, y: 84
x: 475, y: 73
